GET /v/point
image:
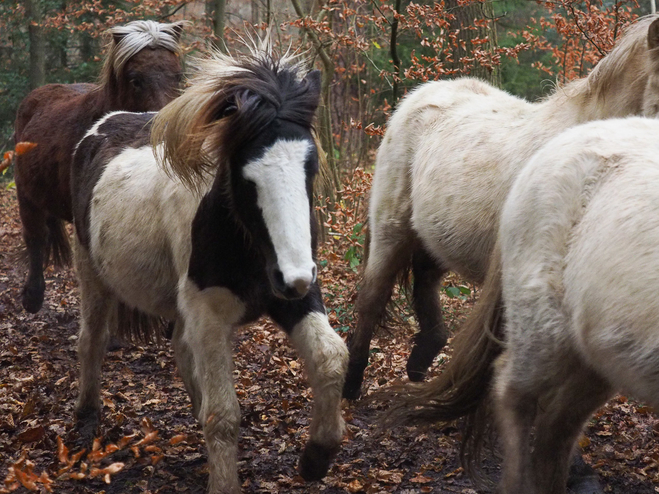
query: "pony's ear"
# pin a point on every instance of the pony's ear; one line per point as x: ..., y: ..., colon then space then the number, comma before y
x: 117, y: 37
x: 313, y: 78
x: 177, y: 27
x: 653, y: 35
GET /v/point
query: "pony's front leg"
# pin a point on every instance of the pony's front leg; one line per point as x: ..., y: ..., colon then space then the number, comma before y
x: 326, y: 359
x: 209, y: 316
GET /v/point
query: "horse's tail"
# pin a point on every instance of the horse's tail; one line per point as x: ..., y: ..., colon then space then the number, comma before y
x: 58, y: 247
x: 461, y: 391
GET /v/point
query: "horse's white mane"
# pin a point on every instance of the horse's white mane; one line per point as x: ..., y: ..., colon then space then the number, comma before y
x: 631, y: 45
x: 137, y: 35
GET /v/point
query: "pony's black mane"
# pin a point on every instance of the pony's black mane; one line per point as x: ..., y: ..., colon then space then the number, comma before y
x: 263, y: 89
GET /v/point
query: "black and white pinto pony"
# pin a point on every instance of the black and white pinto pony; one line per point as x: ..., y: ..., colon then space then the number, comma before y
x: 447, y: 161
x: 569, y: 313
x: 212, y: 231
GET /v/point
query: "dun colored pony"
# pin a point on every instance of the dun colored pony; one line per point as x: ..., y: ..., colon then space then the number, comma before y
x: 581, y: 312
x: 142, y: 72
x: 218, y: 236
x: 449, y: 156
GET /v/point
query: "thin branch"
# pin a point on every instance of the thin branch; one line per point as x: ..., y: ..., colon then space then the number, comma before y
x: 584, y: 33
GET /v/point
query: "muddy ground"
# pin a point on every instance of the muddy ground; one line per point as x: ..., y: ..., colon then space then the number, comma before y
x: 151, y: 444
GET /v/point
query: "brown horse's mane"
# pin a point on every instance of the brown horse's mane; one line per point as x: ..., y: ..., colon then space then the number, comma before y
x: 130, y: 39
x: 230, y: 101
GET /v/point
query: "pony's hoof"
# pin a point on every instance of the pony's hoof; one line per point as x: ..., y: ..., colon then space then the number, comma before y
x: 32, y: 299
x: 87, y: 422
x: 415, y: 375
x: 583, y: 479
x: 316, y: 460
x: 352, y: 390
x: 115, y: 344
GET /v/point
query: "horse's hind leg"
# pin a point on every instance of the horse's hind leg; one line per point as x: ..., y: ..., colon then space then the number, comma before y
x: 325, y: 356
x: 559, y: 424
x: 185, y: 364
x: 432, y: 334
x: 387, y: 258
x: 515, y: 409
x: 97, y: 317
x: 35, y: 235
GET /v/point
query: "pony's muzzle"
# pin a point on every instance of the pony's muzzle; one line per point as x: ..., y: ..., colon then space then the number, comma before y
x: 293, y: 284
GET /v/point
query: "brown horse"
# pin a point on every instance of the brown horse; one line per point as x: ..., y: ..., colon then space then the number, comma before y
x: 142, y: 72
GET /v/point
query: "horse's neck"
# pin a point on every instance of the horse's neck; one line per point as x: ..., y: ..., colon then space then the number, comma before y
x: 97, y: 103
x: 601, y: 95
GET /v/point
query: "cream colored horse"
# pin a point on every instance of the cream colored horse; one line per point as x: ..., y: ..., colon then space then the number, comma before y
x: 577, y: 275
x: 448, y: 159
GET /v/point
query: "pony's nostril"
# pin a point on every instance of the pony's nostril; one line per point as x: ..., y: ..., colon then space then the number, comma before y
x: 279, y: 278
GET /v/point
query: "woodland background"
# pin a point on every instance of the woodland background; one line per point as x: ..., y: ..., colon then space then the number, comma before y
x: 371, y: 53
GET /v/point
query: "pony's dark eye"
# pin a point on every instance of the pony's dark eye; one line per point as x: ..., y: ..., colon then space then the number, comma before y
x: 228, y: 111
x: 136, y: 83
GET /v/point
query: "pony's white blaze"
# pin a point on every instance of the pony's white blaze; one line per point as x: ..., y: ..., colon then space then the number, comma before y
x: 280, y: 180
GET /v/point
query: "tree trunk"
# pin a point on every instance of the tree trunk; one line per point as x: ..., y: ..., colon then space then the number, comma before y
x: 215, y: 9
x: 464, y: 17
x: 37, y: 43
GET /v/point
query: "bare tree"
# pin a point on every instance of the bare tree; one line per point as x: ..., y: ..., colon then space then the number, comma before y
x: 34, y: 19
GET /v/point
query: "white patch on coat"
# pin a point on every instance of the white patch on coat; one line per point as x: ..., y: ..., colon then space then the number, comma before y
x: 281, y: 188
x: 326, y: 359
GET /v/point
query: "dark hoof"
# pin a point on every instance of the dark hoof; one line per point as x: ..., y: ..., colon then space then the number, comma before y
x: 415, y: 376
x: 87, y: 422
x: 422, y: 356
x: 316, y: 460
x: 351, y: 389
x: 583, y: 479
x: 32, y: 299
x: 115, y: 344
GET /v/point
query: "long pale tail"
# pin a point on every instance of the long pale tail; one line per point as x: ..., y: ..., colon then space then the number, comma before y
x: 461, y: 391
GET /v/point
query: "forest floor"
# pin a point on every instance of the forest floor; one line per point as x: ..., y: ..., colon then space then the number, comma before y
x: 151, y: 444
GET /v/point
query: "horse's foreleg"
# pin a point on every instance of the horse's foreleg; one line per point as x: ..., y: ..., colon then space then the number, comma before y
x: 209, y: 316
x: 558, y: 426
x: 515, y: 409
x: 386, y: 260
x: 326, y: 358
x: 97, y: 313
x: 35, y: 235
x: 432, y: 334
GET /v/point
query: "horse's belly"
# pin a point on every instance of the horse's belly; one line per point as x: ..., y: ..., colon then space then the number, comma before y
x: 455, y: 215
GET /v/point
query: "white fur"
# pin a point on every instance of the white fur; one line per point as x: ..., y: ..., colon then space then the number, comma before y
x: 93, y: 131
x: 326, y: 357
x: 453, y: 149
x: 138, y: 35
x: 282, y: 196
x: 580, y: 273
x: 143, y: 260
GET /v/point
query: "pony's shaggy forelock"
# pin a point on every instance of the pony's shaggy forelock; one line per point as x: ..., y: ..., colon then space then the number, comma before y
x: 135, y: 36
x: 230, y: 100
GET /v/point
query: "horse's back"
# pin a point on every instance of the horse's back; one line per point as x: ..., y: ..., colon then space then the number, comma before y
x: 54, y: 117
x: 579, y: 236
x: 464, y: 160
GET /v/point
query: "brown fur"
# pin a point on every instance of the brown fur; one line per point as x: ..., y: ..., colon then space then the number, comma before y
x: 56, y: 117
